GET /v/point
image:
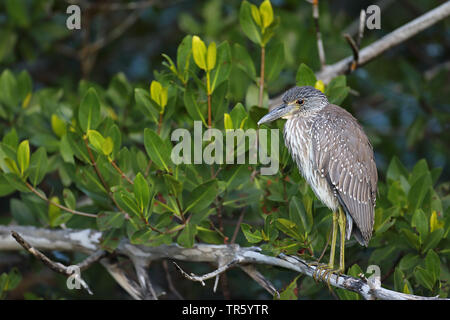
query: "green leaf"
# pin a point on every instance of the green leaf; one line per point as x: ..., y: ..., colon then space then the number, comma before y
x: 395, y: 170
x: 110, y: 220
x: 209, y: 236
x: 433, y: 264
x: 175, y: 187
x: 256, y: 15
x: 433, y: 239
x: 22, y: 213
x: 424, y: 277
x: 157, y: 149
x: 17, y: 12
x: 8, y: 39
x: 69, y: 199
x: 305, y: 76
x: 38, y: 166
x: 58, y: 126
x: 266, y: 13
x: 96, y: 140
x: 291, y: 291
x: 420, y: 222
x: 418, y: 191
x: 23, y: 156
x: 159, y: 94
x: 252, y: 237
x: 192, y: 107
x: 66, y: 150
x: 227, y: 122
x: 288, y: 227
x: 298, y: 214
x: 398, y: 280
x: 275, y: 61
x: 199, y: 52
x: 9, y: 93
x: 243, y: 60
x: 202, y: 196
x: 53, y: 212
x: 184, y: 54
x: 11, y: 139
x: 337, y: 90
x: 248, y: 24
x: 222, y: 70
x: 128, y: 202
x: 211, y: 56
x: 409, y: 261
x: 12, y: 166
x: 187, y: 235
x: 142, y: 98
x: 108, y: 146
x: 16, y: 182
x: 141, y: 192
x: 89, y: 111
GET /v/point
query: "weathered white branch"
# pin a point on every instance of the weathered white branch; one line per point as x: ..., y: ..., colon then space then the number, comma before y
x: 87, y: 241
x: 390, y: 40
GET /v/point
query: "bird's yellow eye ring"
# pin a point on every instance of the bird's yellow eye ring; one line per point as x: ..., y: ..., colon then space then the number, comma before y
x: 300, y: 101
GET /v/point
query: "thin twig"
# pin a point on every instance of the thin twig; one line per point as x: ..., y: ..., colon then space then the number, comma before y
x: 207, y: 276
x: 170, y: 282
x: 238, y: 225
x: 59, y: 267
x: 321, y: 50
x: 260, y: 279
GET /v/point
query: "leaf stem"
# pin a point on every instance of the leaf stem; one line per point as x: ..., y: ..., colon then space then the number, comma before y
x: 261, y: 76
x: 43, y: 197
x: 122, y: 174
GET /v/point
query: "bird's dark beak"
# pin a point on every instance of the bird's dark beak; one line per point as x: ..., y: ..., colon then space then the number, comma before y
x: 276, y: 113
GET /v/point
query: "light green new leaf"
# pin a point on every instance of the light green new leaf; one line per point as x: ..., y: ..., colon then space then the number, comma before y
x: 58, y: 126
x: 266, y: 12
x: 199, y: 52
x: 155, y: 91
x: 89, y: 112
x: 23, y: 156
x: 256, y: 15
x: 228, y: 123
x: 252, y: 237
x: 53, y: 211
x: 211, y: 57
x: 96, y: 140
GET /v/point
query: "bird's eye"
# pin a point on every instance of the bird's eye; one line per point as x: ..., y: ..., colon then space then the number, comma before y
x: 300, y: 101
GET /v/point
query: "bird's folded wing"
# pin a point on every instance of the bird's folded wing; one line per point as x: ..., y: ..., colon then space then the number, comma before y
x: 343, y: 154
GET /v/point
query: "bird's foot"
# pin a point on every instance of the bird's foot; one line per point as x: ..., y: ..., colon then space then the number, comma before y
x: 324, y: 272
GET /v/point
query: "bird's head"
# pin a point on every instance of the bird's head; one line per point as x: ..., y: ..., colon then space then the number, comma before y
x: 297, y: 100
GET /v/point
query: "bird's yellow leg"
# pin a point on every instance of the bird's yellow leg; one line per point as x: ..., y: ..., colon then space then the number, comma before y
x: 322, y: 270
x: 342, y: 223
x: 333, y: 240
x: 338, y: 219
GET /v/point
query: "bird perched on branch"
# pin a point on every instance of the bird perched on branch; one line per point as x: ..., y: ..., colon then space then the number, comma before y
x: 336, y: 158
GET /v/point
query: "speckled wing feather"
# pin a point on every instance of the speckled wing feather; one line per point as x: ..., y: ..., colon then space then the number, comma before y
x: 344, y: 156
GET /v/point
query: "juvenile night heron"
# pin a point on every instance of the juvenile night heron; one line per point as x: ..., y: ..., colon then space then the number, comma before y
x: 336, y: 158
